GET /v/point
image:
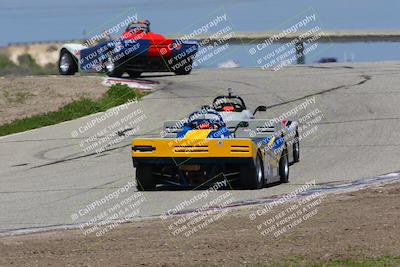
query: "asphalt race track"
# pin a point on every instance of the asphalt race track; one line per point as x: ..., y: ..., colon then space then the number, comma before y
x: 45, y: 176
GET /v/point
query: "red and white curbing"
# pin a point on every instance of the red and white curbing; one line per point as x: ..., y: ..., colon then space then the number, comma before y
x: 142, y: 85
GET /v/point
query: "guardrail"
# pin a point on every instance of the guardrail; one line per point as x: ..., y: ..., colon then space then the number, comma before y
x: 339, y: 36
x: 45, y: 42
x: 326, y: 36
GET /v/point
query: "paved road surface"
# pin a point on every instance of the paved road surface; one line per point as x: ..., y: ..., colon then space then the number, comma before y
x: 45, y: 176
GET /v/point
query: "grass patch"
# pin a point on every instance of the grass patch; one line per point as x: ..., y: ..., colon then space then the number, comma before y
x: 26, y: 66
x: 118, y: 94
x: 5, y: 62
x: 378, y: 262
x: 386, y: 261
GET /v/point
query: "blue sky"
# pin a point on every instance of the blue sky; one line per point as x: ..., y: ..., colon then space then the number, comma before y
x: 28, y: 20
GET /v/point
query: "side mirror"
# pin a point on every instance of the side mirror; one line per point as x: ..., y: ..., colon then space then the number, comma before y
x: 242, y: 124
x: 260, y: 108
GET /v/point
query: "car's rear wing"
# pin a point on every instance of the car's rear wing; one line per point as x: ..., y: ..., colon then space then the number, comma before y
x: 191, y: 151
x: 256, y: 128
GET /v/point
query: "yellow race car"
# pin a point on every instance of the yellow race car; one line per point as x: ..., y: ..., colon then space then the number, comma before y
x: 206, y: 148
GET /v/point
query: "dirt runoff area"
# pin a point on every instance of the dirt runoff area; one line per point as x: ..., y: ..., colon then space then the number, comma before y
x: 22, y: 97
x: 355, y: 225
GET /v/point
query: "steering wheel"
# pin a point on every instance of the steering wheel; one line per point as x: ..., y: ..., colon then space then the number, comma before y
x: 203, y: 123
x: 231, y: 107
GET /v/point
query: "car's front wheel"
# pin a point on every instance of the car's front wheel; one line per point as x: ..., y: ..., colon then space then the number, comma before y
x: 66, y: 63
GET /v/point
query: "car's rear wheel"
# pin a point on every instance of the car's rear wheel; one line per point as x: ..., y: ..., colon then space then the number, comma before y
x: 185, y: 69
x: 145, y: 178
x: 252, y: 177
x: 115, y: 73
x: 66, y: 63
x: 296, y: 148
x: 113, y: 69
x: 284, y: 167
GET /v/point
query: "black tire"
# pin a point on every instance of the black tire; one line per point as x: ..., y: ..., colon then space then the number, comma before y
x: 117, y: 73
x: 284, y: 167
x: 113, y: 69
x: 145, y: 178
x: 134, y: 74
x: 185, y: 69
x: 66, y: 63
x: 252, y: 177
x: 296, y: 148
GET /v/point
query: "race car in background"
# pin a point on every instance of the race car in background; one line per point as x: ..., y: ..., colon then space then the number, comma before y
x: 220, y: 142
x: 138, y: 50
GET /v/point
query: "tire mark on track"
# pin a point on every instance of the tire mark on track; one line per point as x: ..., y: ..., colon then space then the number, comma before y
x: 63, y: 138
x: 358, y: 120
x: 366, y: 78
x: 68, y: 158
x: 330, y: 68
